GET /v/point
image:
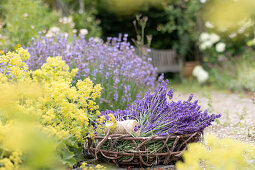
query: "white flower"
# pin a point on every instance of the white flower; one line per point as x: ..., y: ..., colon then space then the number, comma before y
x: 49, y: 34
x: 67, y: 20
x: 201, y: 75
x: 25, y: 15
x: 206, y: 44
x: 196, y: 70
x: 54, y: 29
x: 220, y: 47
x: 74, y: 31
x: 208, y: 24
x: 60, y: 20
x: 214, y: 38
x: 83, y: 32
x: 204, y: 37
x: 242, y: 29
x: 233, y: 35
x: 32, y: 27
x: 203, y: 1
x: 64, y: 20
x: 202, y: 46
x: 65, y: 34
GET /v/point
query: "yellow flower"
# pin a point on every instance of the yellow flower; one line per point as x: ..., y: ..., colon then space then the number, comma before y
x: 217, y: 153
x: 8, y: 165
x: 113, y: 120
x: 98, y: 113
x: 62, y: 109
x: 3, y: 78
x: 98, y: 166
x: 23, y: 53
x: 83, y: 165
x: 101, y: 119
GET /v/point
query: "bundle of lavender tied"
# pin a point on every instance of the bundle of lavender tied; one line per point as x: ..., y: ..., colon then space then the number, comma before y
x: 158, y: 115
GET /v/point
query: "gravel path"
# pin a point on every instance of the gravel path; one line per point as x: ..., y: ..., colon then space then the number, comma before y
x: 238, y: 114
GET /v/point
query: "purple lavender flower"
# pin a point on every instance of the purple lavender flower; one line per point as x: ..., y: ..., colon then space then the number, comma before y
x: 158, y: 116
x: 114, y: 64
x: 116, y: 96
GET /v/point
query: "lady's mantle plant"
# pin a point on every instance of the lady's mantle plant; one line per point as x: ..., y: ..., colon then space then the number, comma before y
x: 157, y: 114
x: 66, y: 111
x: 218, y: 153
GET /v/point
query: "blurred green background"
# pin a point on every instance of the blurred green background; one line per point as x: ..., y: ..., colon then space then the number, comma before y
x: 217, y: 34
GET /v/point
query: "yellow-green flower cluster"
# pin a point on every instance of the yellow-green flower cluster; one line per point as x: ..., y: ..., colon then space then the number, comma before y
x: 13, y: 66
x: 98, y: 167
x: 20, y: 131
x: 66, y: 109
x: 63, y: 109
x: 217, y: 153
x: 10, y: 156
x: 113, y: 120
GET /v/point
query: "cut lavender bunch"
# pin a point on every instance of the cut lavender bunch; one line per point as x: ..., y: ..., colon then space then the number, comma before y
x: 157, y: 116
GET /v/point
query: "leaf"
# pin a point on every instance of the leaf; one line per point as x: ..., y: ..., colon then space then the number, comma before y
x: 71, y: 141
x: 78, y: 153
x: 67, y: 157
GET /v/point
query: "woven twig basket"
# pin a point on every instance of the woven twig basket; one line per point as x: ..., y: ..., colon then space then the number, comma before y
x: 169, y: 153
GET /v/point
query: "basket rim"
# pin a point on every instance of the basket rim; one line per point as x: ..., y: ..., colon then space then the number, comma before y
x: 155, y: 137
x: 164, y: 156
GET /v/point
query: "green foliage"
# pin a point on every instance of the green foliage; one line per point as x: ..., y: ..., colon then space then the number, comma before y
x: 87, y: 21
x: 182, y: 17
x: 140, y: 37
x: 66, y: 156
x: 130, y: 7
x: 112, y: 25
x: 236, y: 73
x: 24, y: 19
x: 172, y: 25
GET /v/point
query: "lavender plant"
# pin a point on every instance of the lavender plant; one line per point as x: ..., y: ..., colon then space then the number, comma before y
x: 114, y: 64
x: 157, y: 116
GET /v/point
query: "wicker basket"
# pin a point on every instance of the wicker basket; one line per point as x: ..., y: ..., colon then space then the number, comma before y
x: 169, y: 153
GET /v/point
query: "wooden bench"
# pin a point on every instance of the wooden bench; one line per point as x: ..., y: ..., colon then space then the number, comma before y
x: 166, y: 61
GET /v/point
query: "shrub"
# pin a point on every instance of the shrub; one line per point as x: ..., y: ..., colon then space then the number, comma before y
x: 23, y: 144
x: 87, y: 21
x: 235, y: 73
x: 181, y: 23
x: 24, y: 19
x: 65, y: 111
x: 114, y: 64
x: 172, y: 24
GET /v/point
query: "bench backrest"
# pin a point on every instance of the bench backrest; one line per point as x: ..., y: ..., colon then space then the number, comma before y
x: 165, y: 60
